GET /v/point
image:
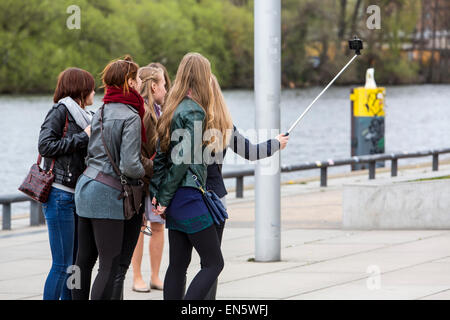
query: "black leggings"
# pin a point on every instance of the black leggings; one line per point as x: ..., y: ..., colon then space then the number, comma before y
x: 206, y: 243
x: 113, y: 242
x: 212, y: 292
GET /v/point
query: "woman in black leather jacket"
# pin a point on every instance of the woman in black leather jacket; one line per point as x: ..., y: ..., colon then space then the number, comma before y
x: 63, y: 139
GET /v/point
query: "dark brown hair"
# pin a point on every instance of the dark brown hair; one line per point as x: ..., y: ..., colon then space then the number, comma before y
x: 75, y: 83
x: 117, y: 73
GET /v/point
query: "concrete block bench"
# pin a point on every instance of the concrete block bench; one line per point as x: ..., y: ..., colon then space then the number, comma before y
x: 420, y: 202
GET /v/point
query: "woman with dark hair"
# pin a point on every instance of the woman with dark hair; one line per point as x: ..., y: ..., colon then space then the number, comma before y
x: 63, y: 142
x: 117, y: 132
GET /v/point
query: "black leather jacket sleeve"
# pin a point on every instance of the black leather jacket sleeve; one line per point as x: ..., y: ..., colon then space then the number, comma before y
x: 51, y: 143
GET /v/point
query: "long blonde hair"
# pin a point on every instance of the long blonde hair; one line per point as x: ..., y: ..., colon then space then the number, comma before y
x: 222, y: 117
x: 166, y: 74
x: 149, y: 75
x: 194, y: 76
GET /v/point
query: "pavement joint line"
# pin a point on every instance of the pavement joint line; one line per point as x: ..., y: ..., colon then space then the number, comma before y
x: 288, y: 193
x: 22, y: 244
x: 339, y: 236
x: 307, y: 242
x: 365, y: 277
x: 37, y: 257
x: 26, y: 276
x: 35, y: 293
x: 340, y: 257
x: 429, y: 295
x: 240, y: 237
x: 29, y: 297
x: 25, y: 233
x: 331, y: 238
x: 246, y: 298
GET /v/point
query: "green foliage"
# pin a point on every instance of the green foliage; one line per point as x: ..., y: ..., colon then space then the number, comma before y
x: 36, y: 45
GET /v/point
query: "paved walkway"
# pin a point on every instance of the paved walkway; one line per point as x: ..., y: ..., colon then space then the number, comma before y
x: 319, y: 260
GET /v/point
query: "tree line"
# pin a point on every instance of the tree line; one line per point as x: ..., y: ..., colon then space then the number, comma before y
x: 36, y: 42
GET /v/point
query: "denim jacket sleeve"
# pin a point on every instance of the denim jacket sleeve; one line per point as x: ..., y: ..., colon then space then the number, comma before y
x: 184, y: 153
x: 130, y: 149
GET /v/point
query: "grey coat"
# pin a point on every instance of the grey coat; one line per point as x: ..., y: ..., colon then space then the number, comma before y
x: 122, y: 133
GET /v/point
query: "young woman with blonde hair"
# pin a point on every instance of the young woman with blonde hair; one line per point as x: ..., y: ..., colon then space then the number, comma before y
x: 189, y: 112
x: 241, y: 146
x: 168, y: 84
x: 153, y: 90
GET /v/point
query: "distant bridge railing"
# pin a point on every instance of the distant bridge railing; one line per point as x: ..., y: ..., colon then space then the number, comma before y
x: 36, y: 216
x: 371, y: 160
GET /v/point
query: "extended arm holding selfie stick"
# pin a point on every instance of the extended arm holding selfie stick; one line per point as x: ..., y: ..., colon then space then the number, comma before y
x: 354, y: 44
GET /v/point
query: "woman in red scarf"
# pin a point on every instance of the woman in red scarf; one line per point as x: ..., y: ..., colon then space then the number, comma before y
x: 132, y: 98
x: 103, y: 231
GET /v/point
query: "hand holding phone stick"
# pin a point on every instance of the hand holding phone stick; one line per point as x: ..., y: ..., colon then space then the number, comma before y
x: 354, y: 44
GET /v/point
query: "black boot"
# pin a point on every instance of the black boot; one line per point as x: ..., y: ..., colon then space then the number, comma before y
x: 117, y: 293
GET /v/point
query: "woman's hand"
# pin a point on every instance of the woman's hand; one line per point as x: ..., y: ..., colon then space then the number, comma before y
x: 283, y: 140
x: 157, y: 210
x: 160, y: 210
x: 88, y: 130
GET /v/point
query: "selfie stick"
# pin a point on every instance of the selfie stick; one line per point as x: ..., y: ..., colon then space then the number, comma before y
x: 320, y: 94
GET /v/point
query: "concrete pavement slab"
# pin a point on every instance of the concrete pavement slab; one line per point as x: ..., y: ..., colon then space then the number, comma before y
x: 318, y: 262
x: 383, y: 236
x: 407, y: 283
x: 281, y: 285
x: 323, y: 252
x: 442, y: 295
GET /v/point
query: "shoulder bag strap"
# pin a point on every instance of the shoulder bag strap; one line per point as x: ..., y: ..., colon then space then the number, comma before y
x: 194, y: 176
x: 114, y: 165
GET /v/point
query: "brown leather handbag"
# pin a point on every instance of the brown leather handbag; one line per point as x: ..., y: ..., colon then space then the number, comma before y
x: 132, y: 194
x: 38, y: 183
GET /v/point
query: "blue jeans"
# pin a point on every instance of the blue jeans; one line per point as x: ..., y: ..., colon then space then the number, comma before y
x: 59, y: 214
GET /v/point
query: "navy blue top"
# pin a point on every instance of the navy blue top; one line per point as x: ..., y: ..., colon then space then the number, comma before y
x: 244, y: 148
x: 187, y: 212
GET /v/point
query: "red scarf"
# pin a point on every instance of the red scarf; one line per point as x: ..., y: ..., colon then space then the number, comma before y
x: 132, y: 98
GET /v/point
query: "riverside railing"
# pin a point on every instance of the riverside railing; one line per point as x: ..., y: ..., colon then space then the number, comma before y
x: 323, y: 166
x: 36, y: 216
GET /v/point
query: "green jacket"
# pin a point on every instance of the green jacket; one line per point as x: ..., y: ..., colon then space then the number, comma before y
x: 185, y: 151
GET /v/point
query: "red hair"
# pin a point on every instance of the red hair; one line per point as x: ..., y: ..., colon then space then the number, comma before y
x: 117, y: 73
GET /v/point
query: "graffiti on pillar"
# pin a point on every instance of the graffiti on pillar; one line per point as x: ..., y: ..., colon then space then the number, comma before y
x: 374, y: 103
x: 374, y: 134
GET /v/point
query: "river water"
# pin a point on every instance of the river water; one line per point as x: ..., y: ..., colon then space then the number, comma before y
x: 417, y: 118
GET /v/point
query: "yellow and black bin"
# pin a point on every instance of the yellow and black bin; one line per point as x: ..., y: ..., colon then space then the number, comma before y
x: 367, y: 120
